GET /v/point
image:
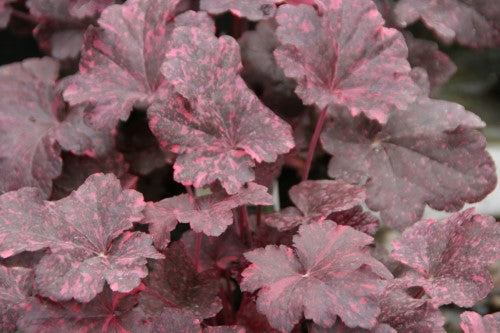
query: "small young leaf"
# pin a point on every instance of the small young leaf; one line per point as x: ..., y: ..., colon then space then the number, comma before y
x: 316, y: 200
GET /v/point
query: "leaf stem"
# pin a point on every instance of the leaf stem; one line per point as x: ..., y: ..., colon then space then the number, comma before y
x: 189, y: 190
x: 259, y: 215
x: 314, y: 143
x: 244, y: 225
x: 199, y: 238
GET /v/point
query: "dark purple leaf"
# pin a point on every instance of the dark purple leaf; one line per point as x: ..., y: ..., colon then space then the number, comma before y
x: 424, y: 53
x: 328, y: 275
x: 262, y: 73
x: 217, y: 252
x: 76, y: 169
x: 451, y: 265
x: 228, y: 128
x: 140, y: 147
x: 358, y: 219
x: 15, y: 288
x: 428, y: 154
x: 345, y: 58
x: 109, y: 312
x: 5, y: 11
x: 85, y: 232
x: 266, y: 235
x: 474, y: 23
x: 472, y: 322
x: 316, y: 200
x: 120, y: 64
x: 266, y: 173
x: 251, y: 319
x: 210, y: 214
x: 176, y: 320
x: 175, y: 283
x: 254, y: 10
x: 29, y: 154
x: 407, y: 314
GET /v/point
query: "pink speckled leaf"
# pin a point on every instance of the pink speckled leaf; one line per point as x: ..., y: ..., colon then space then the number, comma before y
x: 254, y: 10
x: 109, y: 312
x: 76, y: 169
x: 85, y: 232
x: 345, y: 58
x: 225, y: 129
x: 29, y: 154
x: 429, y: 154
x: 15, y: 288
x: 451, y: 265
x: 88, y: 8
x: 357, y: 219
x: 328, y: 275
x: 176, y: 320
x: 473, y: 23
x: 175, y: 283
x: 210, y: 214
x: 472, y: 322
x: 407, y: 314
x: 218, y: 252
x: 119, y: 68
x: 316, y: 200
x: 340, y: 327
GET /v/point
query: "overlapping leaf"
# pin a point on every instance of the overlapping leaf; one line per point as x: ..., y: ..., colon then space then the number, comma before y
x: 253, y: 10
x: 407, y: 314
x: 472, y: 322
x: 328, y: 275
x: 15, y: 289
x: 210, y: 214
x: 345, y: 58
x: 217, y: 252
x: 340, y: 327
x: 228, y: 129
x: 85, y: 232
x: 358, y: 219
x: 59, y: 31
x: 315, y: 201
x: 474, y: 23
x: 29, y: 154
x: 451, y: 265
x: 175, y: 283
x: 120, y: 65
x: 108, y: 312
x: 429, y: 153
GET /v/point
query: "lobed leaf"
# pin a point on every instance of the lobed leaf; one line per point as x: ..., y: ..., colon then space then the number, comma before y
x: 451, y: 265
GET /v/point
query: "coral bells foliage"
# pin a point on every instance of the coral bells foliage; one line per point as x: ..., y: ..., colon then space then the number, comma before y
x: 214, y: 98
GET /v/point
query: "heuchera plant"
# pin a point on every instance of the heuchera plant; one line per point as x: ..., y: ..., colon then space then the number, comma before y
x: 135, y: 190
